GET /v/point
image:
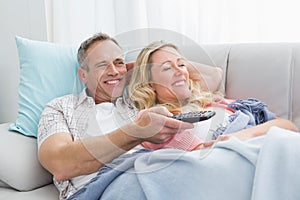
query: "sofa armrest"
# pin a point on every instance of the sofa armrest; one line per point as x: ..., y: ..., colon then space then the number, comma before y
x: 19, y: 165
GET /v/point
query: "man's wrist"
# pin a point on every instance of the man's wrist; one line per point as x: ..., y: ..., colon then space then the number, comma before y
x: 132, y: 133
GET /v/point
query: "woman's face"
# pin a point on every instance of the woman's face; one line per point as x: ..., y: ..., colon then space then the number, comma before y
x: 170, y: 78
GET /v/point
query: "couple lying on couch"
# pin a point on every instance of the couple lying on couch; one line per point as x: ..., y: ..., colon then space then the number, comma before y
x: 80, y: 134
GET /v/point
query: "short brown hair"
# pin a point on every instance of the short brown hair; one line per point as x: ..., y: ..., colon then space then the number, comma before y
x: 85, y: 45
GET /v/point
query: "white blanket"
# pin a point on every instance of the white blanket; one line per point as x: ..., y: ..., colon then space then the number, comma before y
x: 264, y: 168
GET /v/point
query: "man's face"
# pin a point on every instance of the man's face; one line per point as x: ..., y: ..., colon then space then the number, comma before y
x: 104, y: 78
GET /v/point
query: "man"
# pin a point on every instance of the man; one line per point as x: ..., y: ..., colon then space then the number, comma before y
x: 66, y: 146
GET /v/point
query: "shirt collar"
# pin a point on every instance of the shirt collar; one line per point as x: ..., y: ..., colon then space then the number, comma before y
x: 84, y: 97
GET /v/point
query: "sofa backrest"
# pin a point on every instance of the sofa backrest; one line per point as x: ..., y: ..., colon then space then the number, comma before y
x: 267, y: 71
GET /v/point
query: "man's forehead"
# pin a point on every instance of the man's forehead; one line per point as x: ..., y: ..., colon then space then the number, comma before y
x: 104, y: 50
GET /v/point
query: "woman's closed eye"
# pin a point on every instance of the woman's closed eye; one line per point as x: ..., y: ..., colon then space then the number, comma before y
x: 166, y: 67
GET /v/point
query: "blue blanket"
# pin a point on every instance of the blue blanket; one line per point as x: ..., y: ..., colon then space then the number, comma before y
x: 260, y: 169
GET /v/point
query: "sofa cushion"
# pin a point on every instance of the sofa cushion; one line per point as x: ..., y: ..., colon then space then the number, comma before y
x: 19, y: 166
x: 4, y: 185
x: 48, y: 192
x: 47, y: 71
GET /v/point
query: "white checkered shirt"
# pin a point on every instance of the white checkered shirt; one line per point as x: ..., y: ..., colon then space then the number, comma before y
x: 70, y: 114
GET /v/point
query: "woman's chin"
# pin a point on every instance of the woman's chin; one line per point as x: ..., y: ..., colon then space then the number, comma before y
x: 183, y: 96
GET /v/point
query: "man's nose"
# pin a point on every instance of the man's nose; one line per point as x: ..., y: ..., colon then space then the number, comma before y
x: 112, y: 70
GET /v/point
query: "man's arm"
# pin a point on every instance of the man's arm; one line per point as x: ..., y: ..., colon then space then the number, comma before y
x: 66, y: 158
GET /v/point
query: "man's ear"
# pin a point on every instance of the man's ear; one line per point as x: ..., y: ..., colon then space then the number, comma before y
x: 151, y: 85
x: 130, y: 65
x: 82, y: 75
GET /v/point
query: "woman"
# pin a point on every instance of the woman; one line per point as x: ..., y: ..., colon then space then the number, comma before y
x: 161, y: 78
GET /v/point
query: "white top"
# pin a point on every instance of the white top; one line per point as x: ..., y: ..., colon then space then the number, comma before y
x: 205, y: 129
x: 103, y: 123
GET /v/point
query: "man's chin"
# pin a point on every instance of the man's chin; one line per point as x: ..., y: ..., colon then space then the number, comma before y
x: 116, y: 95
x: 117, y: 92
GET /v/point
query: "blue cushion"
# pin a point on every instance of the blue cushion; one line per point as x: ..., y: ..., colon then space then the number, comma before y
x: 47, y: 71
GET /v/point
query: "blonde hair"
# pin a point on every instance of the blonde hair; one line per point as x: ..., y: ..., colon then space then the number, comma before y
x: 144, y: 97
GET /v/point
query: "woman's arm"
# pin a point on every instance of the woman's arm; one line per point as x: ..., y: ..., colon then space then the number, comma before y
x: 210, y: 77
x: 261, y: 129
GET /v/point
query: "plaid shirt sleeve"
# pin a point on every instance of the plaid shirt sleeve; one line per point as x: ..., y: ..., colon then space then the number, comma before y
x: 53, y: 120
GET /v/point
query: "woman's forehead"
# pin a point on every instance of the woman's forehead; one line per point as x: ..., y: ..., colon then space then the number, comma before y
x: 165, y: 53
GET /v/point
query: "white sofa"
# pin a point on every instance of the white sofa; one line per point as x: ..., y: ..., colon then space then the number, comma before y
x: 268, y: 71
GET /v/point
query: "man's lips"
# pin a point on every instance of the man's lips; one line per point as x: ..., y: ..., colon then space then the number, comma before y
x: 112, y: 81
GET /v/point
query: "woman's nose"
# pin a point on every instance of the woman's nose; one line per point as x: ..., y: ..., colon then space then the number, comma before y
x: 177, y: 69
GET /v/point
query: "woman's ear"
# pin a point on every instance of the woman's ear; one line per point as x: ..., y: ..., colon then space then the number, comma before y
x: 82, y: 75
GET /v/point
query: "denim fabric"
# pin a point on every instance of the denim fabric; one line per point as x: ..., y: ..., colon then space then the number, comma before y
x: 106, y: 175
x: 237, y: 121
x: 255, y: 107
x: 250, y: 112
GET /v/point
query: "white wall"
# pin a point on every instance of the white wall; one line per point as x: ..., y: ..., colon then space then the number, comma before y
x: 25, y: 18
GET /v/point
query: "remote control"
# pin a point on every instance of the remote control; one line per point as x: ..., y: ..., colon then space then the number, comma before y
x: 193, y: 117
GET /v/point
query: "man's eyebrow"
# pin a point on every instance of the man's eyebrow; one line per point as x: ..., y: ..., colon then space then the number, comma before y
x: 118, y: 59
x: 100, y: 63
x: 181, y: 59
x: 106, y: 62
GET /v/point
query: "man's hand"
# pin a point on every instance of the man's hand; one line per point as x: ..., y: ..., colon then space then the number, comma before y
x: 156, y: 125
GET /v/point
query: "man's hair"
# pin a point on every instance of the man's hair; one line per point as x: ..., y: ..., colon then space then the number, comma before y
x: 85, y: 45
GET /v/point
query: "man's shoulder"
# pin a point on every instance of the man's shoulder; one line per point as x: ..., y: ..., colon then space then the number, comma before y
x: 68, y: 96
x: 66, y: 99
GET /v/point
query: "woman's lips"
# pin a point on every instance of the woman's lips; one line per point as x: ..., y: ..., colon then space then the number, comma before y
x: 179, y: 83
